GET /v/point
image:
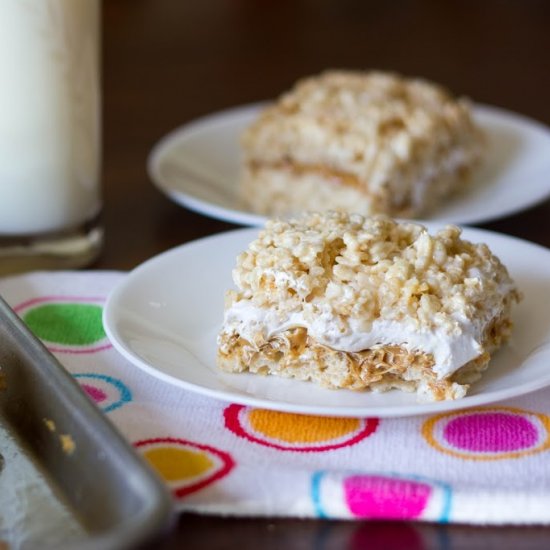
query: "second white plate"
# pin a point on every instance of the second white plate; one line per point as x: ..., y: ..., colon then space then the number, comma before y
x: 164, y: 318
x: 197, y: 166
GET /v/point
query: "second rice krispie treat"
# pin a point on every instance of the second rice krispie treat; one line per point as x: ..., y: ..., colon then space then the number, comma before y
x: 367, y: 142
x: 366, y: 303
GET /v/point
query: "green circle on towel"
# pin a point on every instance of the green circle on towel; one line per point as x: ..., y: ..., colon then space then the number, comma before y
x: 67, y: 324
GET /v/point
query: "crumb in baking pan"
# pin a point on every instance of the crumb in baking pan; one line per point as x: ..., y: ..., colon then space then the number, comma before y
x: 67, y: 444
x: 50, y: 424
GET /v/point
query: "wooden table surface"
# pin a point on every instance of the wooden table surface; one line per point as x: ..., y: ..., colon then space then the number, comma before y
x: 167, y: 62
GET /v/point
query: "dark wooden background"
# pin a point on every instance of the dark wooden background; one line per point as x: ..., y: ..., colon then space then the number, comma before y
x: 167, y: 62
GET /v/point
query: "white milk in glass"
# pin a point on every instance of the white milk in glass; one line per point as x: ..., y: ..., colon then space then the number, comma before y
x: 49, y: 115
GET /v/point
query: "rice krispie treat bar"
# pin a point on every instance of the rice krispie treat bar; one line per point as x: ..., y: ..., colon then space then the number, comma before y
x: 359, y: 142
x: 357, y: 303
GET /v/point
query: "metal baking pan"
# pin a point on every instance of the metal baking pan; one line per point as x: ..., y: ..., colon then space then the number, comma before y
x: 67, y: 477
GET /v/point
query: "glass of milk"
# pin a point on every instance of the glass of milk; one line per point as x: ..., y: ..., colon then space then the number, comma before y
x: 50, y: 129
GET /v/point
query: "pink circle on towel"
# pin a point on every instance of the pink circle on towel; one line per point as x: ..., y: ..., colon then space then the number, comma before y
x: 97, y: 394
x: 375, y: 496
x: 494, y: 432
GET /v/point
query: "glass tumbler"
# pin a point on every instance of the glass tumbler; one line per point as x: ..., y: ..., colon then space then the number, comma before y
x: 50, y: 134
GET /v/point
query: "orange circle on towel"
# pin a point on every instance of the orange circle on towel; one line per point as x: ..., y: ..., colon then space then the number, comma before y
x: 295, y: 432
x: 299, y: 428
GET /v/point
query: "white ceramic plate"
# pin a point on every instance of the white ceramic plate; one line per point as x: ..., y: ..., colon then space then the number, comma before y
x: 197, y: 166
x: 165, y: 315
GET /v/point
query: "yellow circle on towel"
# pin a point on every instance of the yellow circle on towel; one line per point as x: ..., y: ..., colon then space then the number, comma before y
x: 177, y: 464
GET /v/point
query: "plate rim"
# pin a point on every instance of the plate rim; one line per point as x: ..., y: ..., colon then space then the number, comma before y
x: 248, y: 218
x: 394, y: 411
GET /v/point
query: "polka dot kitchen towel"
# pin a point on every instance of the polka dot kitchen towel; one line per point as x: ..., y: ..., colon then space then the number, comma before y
x: 483, y: 465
